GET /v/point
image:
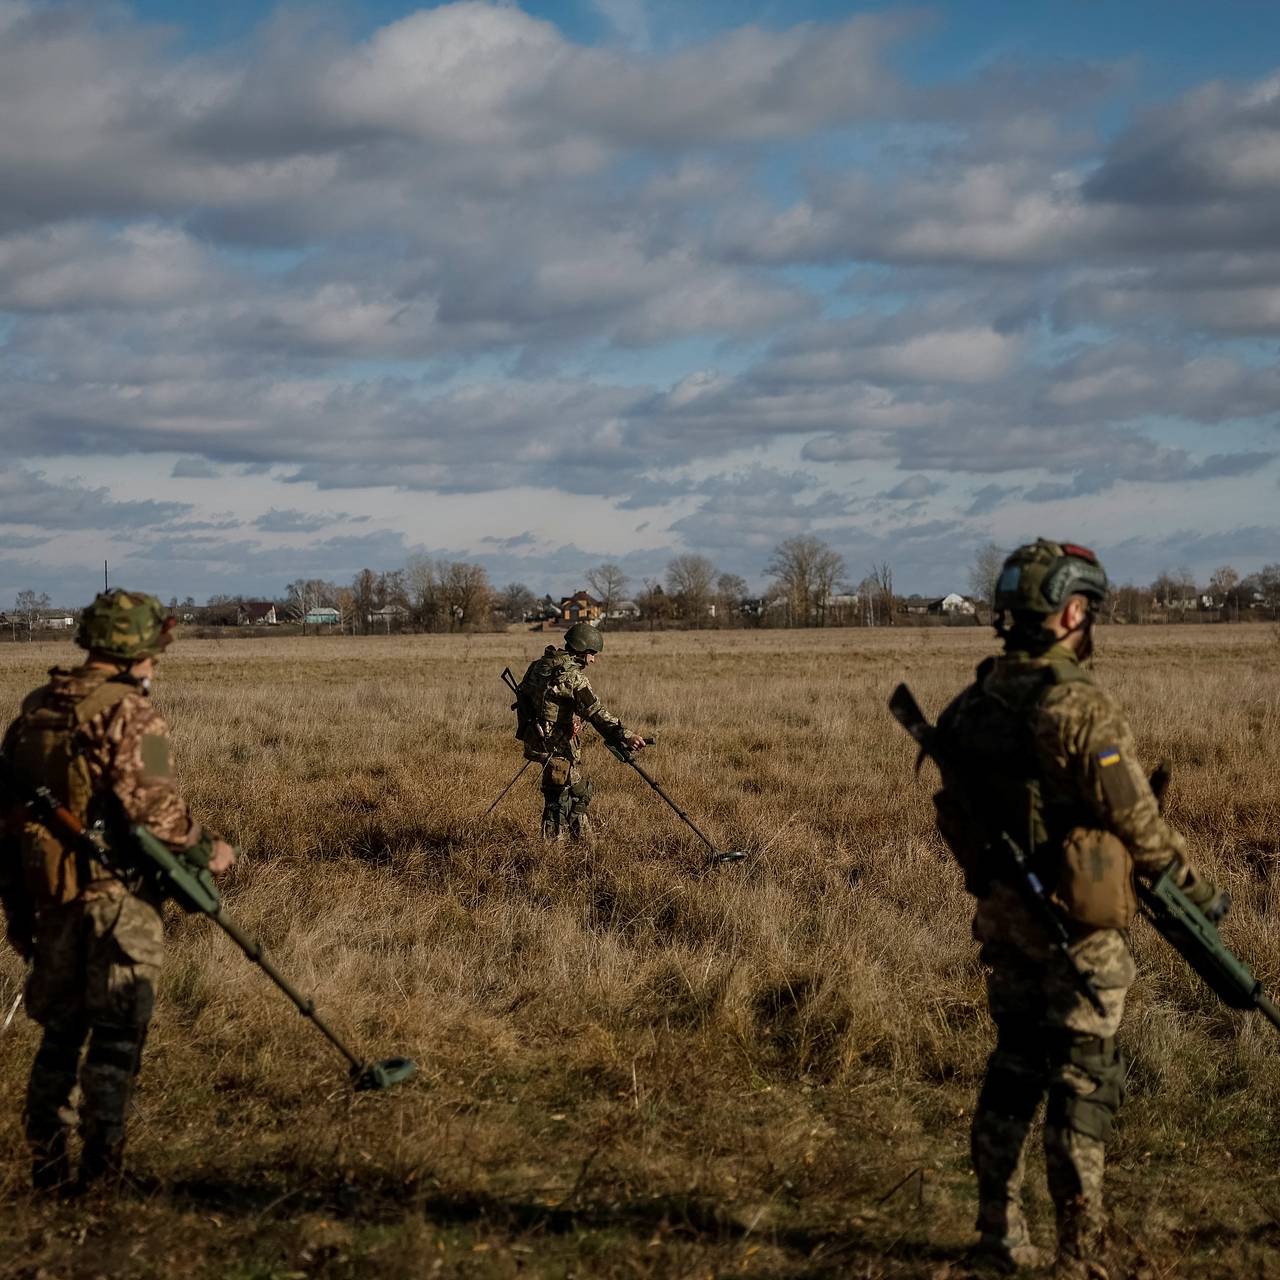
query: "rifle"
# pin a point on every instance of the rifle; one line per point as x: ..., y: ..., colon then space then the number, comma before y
x: 627, y: 756
x: 524, y: 712
x: 1003, y: 849
x: 193, y: 889
x: 1196, y: 938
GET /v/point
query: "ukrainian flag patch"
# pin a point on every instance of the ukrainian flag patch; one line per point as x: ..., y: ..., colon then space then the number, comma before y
x: 1108, y: 756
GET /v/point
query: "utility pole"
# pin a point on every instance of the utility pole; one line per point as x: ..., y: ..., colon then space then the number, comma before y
x: 106, y: 586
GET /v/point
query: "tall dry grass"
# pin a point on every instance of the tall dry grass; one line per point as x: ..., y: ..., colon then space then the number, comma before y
x: 633, y: 1063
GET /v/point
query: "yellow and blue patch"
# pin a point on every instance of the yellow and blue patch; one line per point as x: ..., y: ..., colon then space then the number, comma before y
x: 1108, y: 756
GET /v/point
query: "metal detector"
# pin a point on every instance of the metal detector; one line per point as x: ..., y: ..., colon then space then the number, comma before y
x: 627, y: 756
x: 194, y: 891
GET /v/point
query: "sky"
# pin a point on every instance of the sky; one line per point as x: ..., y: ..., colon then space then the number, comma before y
x: 293, y: 290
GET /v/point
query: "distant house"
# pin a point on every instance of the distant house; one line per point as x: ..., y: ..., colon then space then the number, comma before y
x: 55, y: 620
x: 256, y: 613
x: 623, y: 610
x: 322, y: 617
x: 389, y: 616
x: 580, y: 607
x: 951, y: 605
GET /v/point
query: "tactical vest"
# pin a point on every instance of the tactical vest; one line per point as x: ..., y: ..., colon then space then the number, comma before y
x: 43, y: 745
x: 999, y: 769
x: 542, y: 674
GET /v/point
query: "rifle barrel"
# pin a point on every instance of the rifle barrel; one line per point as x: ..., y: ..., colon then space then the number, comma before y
x: 1268, y: 1008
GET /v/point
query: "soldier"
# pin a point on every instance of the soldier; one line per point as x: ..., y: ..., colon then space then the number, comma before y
x: 1047, y: 756
x: 558, y: 697
x: 95, y: 941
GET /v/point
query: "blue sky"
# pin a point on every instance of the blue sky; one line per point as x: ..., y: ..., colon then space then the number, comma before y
x: 289, y: 291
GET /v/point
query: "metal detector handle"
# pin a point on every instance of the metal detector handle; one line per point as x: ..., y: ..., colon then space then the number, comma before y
x: 624, y: 753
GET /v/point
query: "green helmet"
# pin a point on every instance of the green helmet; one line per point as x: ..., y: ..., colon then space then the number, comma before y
x: 584, y: 637
x: 1039, y: 577
x: 126, y: 625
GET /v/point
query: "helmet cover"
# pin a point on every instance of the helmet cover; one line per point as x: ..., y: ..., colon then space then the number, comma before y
x: 125, y: 624
x: 1041, y: 576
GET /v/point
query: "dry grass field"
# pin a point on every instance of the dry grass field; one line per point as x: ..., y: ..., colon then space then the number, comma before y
x: 633, y: 1064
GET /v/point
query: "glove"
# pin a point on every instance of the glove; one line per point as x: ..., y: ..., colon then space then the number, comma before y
x: 1214, y: 903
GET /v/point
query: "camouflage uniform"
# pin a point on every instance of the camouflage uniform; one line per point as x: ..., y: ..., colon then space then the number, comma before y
x: 1046, y: 752
x: 560, y: 698
x: 94, y: 738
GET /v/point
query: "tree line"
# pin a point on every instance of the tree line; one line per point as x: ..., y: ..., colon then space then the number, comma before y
x: 809, y: 585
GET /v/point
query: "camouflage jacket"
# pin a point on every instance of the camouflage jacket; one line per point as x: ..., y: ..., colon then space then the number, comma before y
x: 120, y: 771
x: 559, y: 698
x: 1040, y: 748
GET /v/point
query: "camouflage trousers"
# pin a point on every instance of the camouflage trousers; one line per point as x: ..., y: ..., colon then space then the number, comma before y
x: 92, y: 982
x: 1050, y: 1044
x: 566, y: 796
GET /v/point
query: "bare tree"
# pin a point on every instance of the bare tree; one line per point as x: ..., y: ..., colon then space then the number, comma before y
x: 515, y: 600
x: 806, y: 572
x: 731, y: 591
x: 306, y: 594
x: 882, y: 577
x: 364, y: 599
x: 691, y: 579
x: 609, y: 583
x: 985, y: 572
x: 27, y: 606
x: 426, y: 593
x: 655, y: 605
x: 467, y: 593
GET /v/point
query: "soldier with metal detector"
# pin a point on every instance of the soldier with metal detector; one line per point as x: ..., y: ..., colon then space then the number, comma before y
x: 92, y: 737
x: 1049, y: 815
x: 94, y: 836
x: 553, y: 701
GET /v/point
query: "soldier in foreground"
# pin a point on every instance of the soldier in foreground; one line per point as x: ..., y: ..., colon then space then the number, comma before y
x: 556, y: 698
x: 1035, y: 749
x: 95, y: 942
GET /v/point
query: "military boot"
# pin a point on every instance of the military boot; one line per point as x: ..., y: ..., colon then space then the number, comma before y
x: 1005, y: 1255
x: 552, y: 825
x: 101, y: 1167
x: 50, y: 1168
x: 1081, y: 1241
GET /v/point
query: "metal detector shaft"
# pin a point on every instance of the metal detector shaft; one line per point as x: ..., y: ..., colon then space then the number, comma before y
x: 507, y: 788
x: 680, y: 813
x: 305, y: 1005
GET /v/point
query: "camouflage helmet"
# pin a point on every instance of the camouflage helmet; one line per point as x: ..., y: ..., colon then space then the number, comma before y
x: 126, y: 625
x: 1040, y: 577
x: 584, y: 637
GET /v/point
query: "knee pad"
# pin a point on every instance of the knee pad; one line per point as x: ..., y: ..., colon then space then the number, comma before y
x: 1087, y: 1087
x: 115, y: 1048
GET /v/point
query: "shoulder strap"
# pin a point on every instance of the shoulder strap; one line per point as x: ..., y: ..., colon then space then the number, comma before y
x: 109, y: 694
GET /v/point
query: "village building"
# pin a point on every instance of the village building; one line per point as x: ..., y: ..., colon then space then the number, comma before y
x: 580, y: 607
x: 323, y: 616
x: 256, y: 613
